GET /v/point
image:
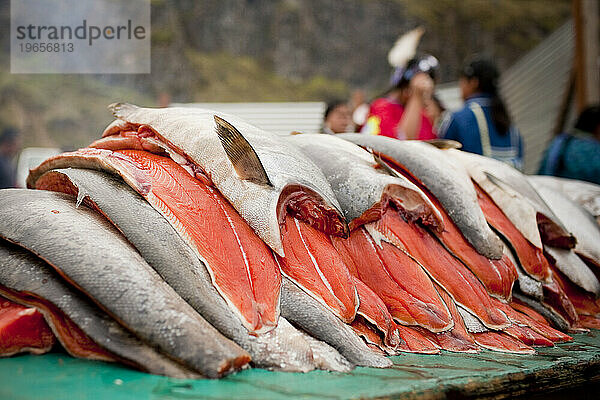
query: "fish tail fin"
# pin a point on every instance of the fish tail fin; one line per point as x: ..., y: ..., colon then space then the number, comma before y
x: 122, y: 110
x: 241, y: 154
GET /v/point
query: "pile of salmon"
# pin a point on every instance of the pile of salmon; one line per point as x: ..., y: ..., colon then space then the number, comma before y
x: 189, y: 243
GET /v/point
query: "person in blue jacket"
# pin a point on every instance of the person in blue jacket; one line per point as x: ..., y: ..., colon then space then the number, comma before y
x: 483, y: 125
x: 576, y: 154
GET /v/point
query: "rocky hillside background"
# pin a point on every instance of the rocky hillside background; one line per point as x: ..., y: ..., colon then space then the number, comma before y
x: 269, y: 50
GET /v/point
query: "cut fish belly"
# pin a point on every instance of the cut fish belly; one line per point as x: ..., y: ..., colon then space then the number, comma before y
x: 584, y: 302
x: 528, y: 336
x: 258, y: 172
x: 530, y: 257
x: 399, y: 281
x: 429, y: 167
x: 23, y: 329
x: 537, y: 322
x: 94, y: 257
x: 414, y: 342
x: 446, y: 270
x: 73, y: 339
x: 502, y: 342
x: 313, y: 264
x: 242, y: 267
x: 556, y: 298
x: 458, y: 338
x: 497, y: 275
x: 163, y: 248
x: 527, y: 329
x: 373, y: 309
x: 371, y: 336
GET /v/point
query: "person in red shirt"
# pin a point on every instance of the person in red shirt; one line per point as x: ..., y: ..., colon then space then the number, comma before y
x: 401, y: 113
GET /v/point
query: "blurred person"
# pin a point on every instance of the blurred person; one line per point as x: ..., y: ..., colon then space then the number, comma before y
x: 337, y: 117
x: 401, y: 113
x: 436, y: 112
x: 10, y: 144
x: 360, y: 109
x: 483, y: 125
x: 576, y: 154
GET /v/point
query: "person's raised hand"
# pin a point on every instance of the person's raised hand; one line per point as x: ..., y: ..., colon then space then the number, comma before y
x: 422, y: 85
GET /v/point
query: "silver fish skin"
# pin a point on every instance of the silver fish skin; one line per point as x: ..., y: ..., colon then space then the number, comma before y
x: 528, y: 286
x: 294, y: 179
x: 309, y: 315
x: 547, y: 312
x: 446, y: 180
x: 98, y: 260
x: 574, y: 268
x: 514, y: 195
x: 21, y: 271
x: 586, y: 194
x: 576, y: 219
x: 326, y: 357
x: 359, y: 186
x: 162, y: 247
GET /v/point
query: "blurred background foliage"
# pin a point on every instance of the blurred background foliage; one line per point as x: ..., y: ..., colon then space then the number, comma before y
x: 269, y: 50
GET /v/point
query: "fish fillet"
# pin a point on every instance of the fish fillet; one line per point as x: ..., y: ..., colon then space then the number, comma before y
x: 264, y: 178
x: 458, y: 338
x: 497, y: 275
x: 93, y: 256
x: 23, y: 329
x: 446, y: 270
x: 529, y: 256
x: 241, y: 266
x: 401, y: 283
x: 313, y: 264
x: 414, y: 342
x: 502, y: 342
x: 163, y: 248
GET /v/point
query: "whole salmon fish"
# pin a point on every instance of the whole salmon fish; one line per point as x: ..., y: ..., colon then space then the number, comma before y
x: 283, y: 348
x: 363, y: 189
x: 241, y: 266
x: 91, y: 254
x: 30, y: 280
x: 576, y: 219
x: 466, y: 234
x: 448, y: 183
x: 260, y: 174
x: 513, y: 193
x: 585, y: 194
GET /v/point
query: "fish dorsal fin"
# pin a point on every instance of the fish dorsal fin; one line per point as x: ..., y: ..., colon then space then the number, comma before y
x: 122, y: 110
x: 241, y: 154
x: 444, y: 143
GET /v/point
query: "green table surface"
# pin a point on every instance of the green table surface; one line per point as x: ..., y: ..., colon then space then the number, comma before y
x: 488, y: 374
